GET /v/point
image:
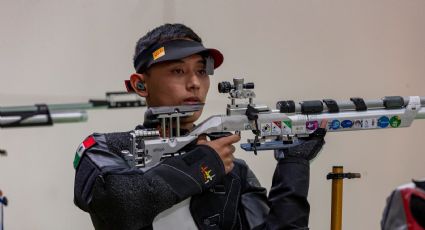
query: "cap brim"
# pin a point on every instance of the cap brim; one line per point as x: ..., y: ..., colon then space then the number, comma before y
x: 183, y: 52
x: 173, y: 50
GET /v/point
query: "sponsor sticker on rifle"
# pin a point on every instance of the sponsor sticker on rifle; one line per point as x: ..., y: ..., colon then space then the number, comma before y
x: 346, y: 124
x: 286, y: 127
x: 370, y: 123
x: 276, y: 128
x: 312, y: 125
x: 383, y: 122
x: 266, y: 129
x: 299, y: 129
x: 358, y: 124
x: 395, y: 121
x: 334, y: 125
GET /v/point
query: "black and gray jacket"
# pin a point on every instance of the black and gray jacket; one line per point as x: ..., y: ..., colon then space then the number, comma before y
x: 118, y: 196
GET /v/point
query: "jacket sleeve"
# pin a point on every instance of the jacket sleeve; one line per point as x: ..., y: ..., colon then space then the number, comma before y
x: 289, y: 208
x: 286, y: 206
x: 255, y: 207
x: 120, y: 197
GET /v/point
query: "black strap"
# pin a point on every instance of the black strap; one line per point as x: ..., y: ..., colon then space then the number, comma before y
x: 332, y: 105
x: 359, y: 103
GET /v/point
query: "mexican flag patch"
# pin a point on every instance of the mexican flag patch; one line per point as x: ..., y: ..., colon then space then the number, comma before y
x: 87, y: 143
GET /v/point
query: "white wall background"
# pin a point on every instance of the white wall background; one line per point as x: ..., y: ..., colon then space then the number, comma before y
x: 66, y: 51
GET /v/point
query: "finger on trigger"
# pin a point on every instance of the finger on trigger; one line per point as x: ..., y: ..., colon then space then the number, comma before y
x: 229, y: 139
x: 237, y: 137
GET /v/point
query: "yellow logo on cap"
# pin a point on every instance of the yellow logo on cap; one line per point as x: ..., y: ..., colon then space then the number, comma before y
x: 158, y: 53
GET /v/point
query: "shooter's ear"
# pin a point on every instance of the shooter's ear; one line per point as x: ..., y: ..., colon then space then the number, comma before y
x: 138, y: 84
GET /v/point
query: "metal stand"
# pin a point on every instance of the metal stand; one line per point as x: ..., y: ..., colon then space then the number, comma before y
x: 3, y: 199
x: 337, y: 175
x: 3, y: 202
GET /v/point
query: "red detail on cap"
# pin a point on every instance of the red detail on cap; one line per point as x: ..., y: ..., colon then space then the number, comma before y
x: 217, y: 56
x: 89, y: 142
x: 128, y: 86
x: 406, y: 194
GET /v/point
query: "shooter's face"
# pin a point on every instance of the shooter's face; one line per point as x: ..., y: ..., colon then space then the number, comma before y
x: 181, y: 82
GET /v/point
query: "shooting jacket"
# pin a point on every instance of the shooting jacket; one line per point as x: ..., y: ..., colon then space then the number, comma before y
x: 118, y: 196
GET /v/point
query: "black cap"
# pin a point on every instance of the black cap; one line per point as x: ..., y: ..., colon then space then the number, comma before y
x: 172, y: 50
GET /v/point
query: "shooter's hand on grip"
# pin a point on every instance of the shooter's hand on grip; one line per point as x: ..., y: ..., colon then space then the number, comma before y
x: 224, y: 147
x: 307, y: 147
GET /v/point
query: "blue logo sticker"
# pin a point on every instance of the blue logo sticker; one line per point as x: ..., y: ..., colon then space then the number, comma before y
x: 346, y: 124
x: 383, y: 122
x: 335, y: 124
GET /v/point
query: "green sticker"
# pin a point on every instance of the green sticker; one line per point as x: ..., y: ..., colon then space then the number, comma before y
x: 288, y: 123
x: 395, y: 121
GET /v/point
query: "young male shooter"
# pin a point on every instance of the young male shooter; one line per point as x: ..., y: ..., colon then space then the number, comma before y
x: 173, y: 68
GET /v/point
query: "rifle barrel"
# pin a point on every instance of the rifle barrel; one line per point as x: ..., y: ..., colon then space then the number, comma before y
x: 43, y: 119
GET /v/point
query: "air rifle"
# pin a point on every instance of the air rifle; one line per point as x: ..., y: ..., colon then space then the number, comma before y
x: 46, y: 115
x: 273, y: 128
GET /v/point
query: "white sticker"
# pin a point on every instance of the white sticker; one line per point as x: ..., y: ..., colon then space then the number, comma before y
x: 299, y: 129
x: 370, y: 123
x: 266, y: 129
x: 286, y: 127
x: 358, y: 124
x: 276, y: 128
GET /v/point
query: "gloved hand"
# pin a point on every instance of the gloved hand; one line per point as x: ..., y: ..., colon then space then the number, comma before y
x: 305, y: 148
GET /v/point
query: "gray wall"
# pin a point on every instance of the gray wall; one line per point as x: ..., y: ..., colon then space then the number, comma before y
x: 66, y: 51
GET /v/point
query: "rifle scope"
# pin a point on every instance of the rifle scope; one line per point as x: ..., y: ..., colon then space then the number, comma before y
x: 225, y: 86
